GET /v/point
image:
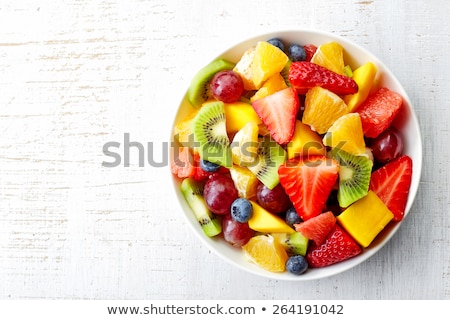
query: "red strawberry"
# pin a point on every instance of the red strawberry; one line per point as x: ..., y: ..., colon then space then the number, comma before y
x: 378, y: 111
x: 308, y: 182
x: 338, y: 246
x: 183, y: 164
x: 310, y: 50
x: 278, y: 112
x: 305, y: 75
x: 317, y: 228
x: 391, y: 183
x: 199, y: 173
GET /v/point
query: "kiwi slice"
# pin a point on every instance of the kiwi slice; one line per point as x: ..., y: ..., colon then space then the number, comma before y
x: 199, y: 88
x: 269, y: 158
x: 193, y: 193
x: 294, y: 243
x: 210, y: 133
x: 354, y: 176
x: 285, y: 73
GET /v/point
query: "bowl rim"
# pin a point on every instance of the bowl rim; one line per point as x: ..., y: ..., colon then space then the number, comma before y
x: 390, y: 231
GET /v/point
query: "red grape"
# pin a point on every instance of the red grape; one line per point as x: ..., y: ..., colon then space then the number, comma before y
x: 227, y: 86
x: 219, y: 193
x: 387, y: 146
x: 236, y: 233
x: 275, y: 200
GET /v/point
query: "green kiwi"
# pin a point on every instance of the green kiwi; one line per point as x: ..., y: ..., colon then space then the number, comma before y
x: 285, y: 73
x: 193, y: 193
x: 294, y: 243
x: 199, y: 87
x: 354, y: 176
x: 270, y: 156
x: 210, y: 133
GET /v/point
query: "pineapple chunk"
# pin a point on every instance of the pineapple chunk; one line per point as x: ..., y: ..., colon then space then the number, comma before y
x: 365, y: 218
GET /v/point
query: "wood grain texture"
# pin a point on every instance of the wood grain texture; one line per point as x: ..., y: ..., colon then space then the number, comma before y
x: 75, y: 75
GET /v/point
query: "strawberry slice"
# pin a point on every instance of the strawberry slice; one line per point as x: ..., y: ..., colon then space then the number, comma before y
x: 338, y: 246
x: 310, y: 49
x: 308, y: 181
x: 378, y: 111
x: 305, y: 75
x: 391, y: 184
x: 317, y: 228
x: 278, y: 112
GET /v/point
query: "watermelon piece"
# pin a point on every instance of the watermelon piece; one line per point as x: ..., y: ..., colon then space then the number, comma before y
x: 378, y: 111
x: 317, y: 228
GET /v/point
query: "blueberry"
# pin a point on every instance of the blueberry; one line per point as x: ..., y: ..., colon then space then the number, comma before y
x: 277, y: 43
x: 292, y: 217
x: 209, y: 166
x: 296, y: 53
x: 241, y: 210
x: 296, y: 264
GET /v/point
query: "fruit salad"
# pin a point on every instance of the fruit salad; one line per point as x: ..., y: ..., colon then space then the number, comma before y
x: 291, y: 156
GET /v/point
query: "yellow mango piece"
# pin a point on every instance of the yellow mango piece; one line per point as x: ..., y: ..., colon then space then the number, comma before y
x: 244, y: 69
x: 267, y: 61
x: 364, y: 76
x: 273, y: 84
x: 238, y: 114
x: 365, y: 218
x: 346, y: 133
x: 305, y: 142
x: 267, y: 222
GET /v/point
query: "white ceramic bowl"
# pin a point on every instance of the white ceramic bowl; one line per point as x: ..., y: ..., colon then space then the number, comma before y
x: 406, y: 122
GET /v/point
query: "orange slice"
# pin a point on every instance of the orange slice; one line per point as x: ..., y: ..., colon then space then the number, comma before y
x: 331, y: 56
x: 322, y: 109
x: 244, y: 147
x: 347, y: 134
x: 267, y: 253
x: 244, y: 181
x: 267, y: 61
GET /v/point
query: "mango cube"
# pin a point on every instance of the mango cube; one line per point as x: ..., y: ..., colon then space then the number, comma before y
x: 305, y: 142
x: 365, y: 218
x: 364, y: 76
x: 238, y: 114
x: 267, y: 222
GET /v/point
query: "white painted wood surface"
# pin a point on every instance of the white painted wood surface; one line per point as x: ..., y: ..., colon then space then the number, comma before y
x: 76, y: 74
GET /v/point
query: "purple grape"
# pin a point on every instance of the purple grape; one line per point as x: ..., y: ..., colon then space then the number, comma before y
x: 275, y: 200
x: 236, y: 233
x: 219, y: 193
x: 227, y: 86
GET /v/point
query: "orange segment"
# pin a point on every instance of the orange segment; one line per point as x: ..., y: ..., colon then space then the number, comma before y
x: 267, y: 253
x: 244, y: 181
x: 322, y: 109
x: 273, y: 84
x: 331, y: 56
x: 267, y: 61
x: 347, y: 134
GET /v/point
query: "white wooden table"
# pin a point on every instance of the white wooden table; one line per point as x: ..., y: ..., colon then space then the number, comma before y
x: 75, y: 75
